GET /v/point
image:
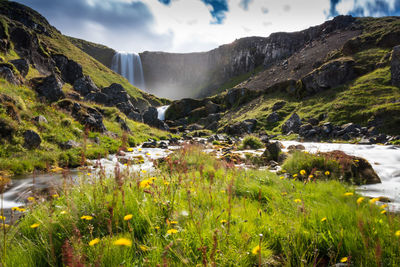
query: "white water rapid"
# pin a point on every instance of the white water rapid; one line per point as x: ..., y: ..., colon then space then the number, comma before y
x: 129, y: 65
x: 161, y: 112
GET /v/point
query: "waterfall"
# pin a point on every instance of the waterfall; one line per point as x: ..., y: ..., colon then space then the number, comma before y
x: 161, y: 112
x: 129, y: 65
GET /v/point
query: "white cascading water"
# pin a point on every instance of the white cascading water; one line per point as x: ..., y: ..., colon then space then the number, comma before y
x: 129, y: 65
x: 161, y: 112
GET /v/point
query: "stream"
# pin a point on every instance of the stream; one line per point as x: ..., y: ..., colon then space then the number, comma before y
x: 384, y: 159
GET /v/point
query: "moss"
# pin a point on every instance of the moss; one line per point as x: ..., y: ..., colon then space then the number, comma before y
x: 251, y: 142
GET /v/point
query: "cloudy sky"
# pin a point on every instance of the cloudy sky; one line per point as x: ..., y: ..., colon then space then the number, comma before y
x: 193, y: 25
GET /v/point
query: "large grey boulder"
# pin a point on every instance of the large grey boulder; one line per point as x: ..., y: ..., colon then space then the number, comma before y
x: 292, y: 124
x: 70, y: 70
x: 329, y: 75
x: 49, y: 87
x: 150, y: 117
x: 7, y: 74
x: 85, y: 85
x: 395, y: 66
x: 32, y: 139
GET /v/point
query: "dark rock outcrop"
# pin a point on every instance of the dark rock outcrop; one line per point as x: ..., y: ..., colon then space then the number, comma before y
x: 395, y: 66
x: 70, y: 70
x: 272, y: 151
x: 241, y: 128
x: 7, y: 74
x: 85, y: 85
x: 7, y: 130
x: 329, y: 75
x: 32, y: 139
x: 69, y: 144
x: 22, y: 66
x: 273, y: 117
x: 182, y: 108
x: 49, y: 87
x: 292, y: 124
x: 150, y: 117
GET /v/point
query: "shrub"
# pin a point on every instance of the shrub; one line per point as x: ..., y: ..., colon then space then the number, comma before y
x: 251, y: 142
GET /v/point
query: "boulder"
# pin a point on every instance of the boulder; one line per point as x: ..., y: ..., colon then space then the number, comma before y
x: 7, y: 130
x: 49, y: 88
x: 272, y: 151
x: 273, y: 117
x: 150, y: 117
x: 241, y: 128
x: 329, y: 75
x: 40, y: 119
x: 85, y: 85
x: 292, y: 124
x: 181, y: 108
x: 32, y: 139
x: 150, y: 144
x: 395, y: 66
x: 22, y: 66
x: 69, y: 144
x: 123, y: 124
x: 7, y: 74
x: 70, y: 70
x: 278, y: 105
x: 238, y: 96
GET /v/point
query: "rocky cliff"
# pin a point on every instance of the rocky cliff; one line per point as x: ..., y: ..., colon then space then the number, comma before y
x: 202, y: 74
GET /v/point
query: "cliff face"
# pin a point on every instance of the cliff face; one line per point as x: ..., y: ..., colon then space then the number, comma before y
x: 201, y: 74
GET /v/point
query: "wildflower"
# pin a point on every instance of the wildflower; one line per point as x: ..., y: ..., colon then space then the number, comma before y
x: 88, y: 174
x: 147, y: 154
x: 87, y: 217
x: 166, y: 183
x: 145, y: 183
x: 397, y: 233
x: 128, y: 217
x: 15, y: 208
x: 223, y: 221
x: 284, y: 193
x: 256, y: 250
x: 373, y: 200
x: 123, y: 242
x: 384, y: 206
x: 173, y: 222
x: 356, y: 160
x: 130, y: 149
x: 172, y: 231
x: 311, y: 176
x: 35, y: 225
x: 63, y: 212
x: 2, y: 218
x: 157, y: 227
x: 21, y: 210
x: 348, y: 194
x: 4, y: 225
x: 295, y: 175
x: 144, y: 171
x: 323, y: 219
x: 152, y: 178
x: 359, y: 200
x: 143, y: 248
x: 327, y: 173
x: 283, y: 171
x: 297, y: 200
x: 139, y: 149
x: 344, y: 259
x: 94, y: 242
x: 55, y: 196
x: 222, y: 191
x: 282, y: 177
x: 383, y: 211
x: 31, y: 199
x: 303, y: 172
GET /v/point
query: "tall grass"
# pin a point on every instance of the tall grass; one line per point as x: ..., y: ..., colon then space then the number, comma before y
x: 197, y: 210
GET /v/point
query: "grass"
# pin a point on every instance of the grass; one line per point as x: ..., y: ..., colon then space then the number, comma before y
x: 219, y: 215
x: 251, y: 142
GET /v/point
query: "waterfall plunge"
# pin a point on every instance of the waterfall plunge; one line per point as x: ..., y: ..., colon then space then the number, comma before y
x: 129, y: 65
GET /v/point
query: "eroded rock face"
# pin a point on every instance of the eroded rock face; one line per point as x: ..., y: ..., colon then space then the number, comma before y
x: 150, y: 117
x: 182, y: 108
x: 32, y: 139
x: 241, y: 128
x: 85, y: 85
x: 49, y: 87
x: 70, y: 70
x: 292, y: 124
x: 7, y: 74
x: 22, y: 66
x: 395, y: 66
x: 329, y: 75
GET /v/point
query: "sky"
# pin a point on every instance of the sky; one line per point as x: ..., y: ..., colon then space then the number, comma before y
x: 193, y: 25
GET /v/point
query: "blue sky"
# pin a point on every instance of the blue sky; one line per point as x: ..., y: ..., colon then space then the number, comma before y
x: 193, y: 25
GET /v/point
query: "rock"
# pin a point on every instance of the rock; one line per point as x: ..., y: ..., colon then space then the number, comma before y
x: 273, y: 117
x: 241, y: 128
x: 7, y: 74
x: 69, y: 144
x: 296, y: 147
x: 238, y: 96
x: 313, y: 121
x: 7, y: 130
x: 194, y: 127
x: 70, y: 70
x: 327, y: 128
x: 49, y: 88
x: 272, y: 151
x: 22, y: 66
x: 151, y: 144
x: 85, y: 85
x: 395, y: 66
x: 329, y: 75
x: 278, y: 105
x: 123, y: 124
x: 40, y: 119
x: 163, y: 145
x: 304, y: 129
x: 136, y: 116
x: 292, y: 124
x: 32, y: 140
x: 181, y: 108
x: 210, y: 119
x: 150, y: 117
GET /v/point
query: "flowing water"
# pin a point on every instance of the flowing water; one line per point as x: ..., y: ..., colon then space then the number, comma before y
x: 129, y: 65
x: 161, y: 112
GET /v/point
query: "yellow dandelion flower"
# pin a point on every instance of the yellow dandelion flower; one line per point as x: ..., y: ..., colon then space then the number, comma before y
x: 31, y: 199
x: 123, y: 242
x: 383, y: 211
x: 128, y: 217
x: 223, y: 221
x: 297, y: 200
x: 373, y: 200
x: 94, y: 242
x: 384, y: 206
x: 15, y: 208
x: 323, y: 219
x: 143, y: 248
x: 359, y: 200
x: 166, y: 183
x: 172, y: 231
x: 145, y: 183
x: 344, y: 259
x: 397, y: 233
x: 21, y: 210
x: 35, y: 225
x: 173, y: 222
x: 139, y: 149
x: 348, y: 194
x: 327, y: 173
x: 282, y: 177
x: 157, y: 227
x: 284, y: 193
x: 311, y: 176
x: 295, y: 175
x: 87, y: 217
x: 88, y: 174
x: 147, y: 154
x: 2, y: 218
x: 130, y: 149
x: 303, y: 172
x: 63, y: 212
x: 256, y: 250
x: 144, y: 171
x: 356, y: 160
x: 55, y: 196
